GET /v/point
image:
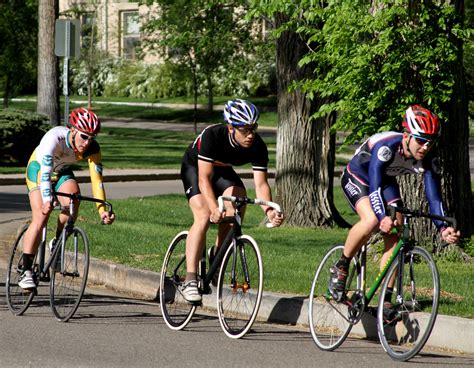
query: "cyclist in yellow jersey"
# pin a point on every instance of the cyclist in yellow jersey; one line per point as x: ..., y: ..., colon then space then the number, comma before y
x: 49, y: 167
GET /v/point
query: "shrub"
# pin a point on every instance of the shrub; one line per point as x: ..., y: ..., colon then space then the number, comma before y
x: 20, y: 133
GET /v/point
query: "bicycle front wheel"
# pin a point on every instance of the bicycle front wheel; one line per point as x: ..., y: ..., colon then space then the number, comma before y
x: 69, y: 272
x: 328, y: 319
x: 177, y: 312
x: 18, y: 300
x: 405, y: 327
x: 240, y: 287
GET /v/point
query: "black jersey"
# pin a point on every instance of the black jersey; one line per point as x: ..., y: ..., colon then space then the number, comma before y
x: 216, y: 145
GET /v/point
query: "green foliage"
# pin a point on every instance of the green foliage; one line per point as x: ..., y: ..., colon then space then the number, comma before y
x: 371, y: 61
x: 18, y: 50
x: 20, y: 133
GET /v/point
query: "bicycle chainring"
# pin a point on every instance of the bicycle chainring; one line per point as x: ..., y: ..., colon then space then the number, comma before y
x: 356, y: 307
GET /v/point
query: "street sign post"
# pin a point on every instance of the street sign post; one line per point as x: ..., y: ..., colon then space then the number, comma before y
x: 67, y: 45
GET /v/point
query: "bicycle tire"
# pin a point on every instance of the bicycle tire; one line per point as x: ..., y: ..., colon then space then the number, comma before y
x: 69, y: 275
x: 238, y: 302
x: 327, y: 318
x: 405, y: 332
x: 18, y: 300
x: 176, y: 311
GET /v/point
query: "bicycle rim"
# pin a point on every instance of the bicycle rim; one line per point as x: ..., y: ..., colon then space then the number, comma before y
x: 18, y: 300
x: 405, y: 328
x: 69, y: 275
x: 177, y: 312
x: 327, y: 318
x: 239, y: 297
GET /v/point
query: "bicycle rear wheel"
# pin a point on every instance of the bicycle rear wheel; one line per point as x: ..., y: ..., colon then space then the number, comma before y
x: 69, y: 275
x: 18, y: 299
x: 404, y: 329
x: 240, y: 287
x: 177, y: 312
x: 328, y: 319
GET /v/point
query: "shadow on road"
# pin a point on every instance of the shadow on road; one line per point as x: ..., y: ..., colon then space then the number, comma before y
x: 11, y: 203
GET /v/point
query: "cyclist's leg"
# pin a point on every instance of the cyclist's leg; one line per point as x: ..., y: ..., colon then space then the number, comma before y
x: 392, y: 195
x: 66, y: 183
x: 228, y: 183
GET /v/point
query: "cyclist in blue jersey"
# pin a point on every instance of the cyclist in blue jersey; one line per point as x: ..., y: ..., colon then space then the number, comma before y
x: 369, y: 184
x: 207, y: 173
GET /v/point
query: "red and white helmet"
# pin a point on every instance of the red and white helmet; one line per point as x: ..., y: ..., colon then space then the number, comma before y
x: 85, y: 121
x: 421, y: 122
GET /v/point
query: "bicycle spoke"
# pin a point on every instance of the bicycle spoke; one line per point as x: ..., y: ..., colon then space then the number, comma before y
x: 405, y: 328
x: 18, y: 300
x: 177, y: 312
x: 240, y: 287
x: 329, y: 320
x: 69, y: 275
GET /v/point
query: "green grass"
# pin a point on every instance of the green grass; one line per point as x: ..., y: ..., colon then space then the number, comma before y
x: 290, y: 254
x: 127, y: 148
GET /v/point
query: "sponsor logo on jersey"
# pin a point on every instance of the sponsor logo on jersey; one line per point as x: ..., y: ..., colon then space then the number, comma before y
x: 48, y: 160
x: 46, y: 192
x: 352, y: 189
x: 45, y: 177
x: 99, y: 168
x: 384, y: 154
x: 376, y: 202
x: 189, y: 190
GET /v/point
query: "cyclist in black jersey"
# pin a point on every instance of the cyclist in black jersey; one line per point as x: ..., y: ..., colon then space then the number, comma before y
x: 369, y: 184
x: 207, y: 173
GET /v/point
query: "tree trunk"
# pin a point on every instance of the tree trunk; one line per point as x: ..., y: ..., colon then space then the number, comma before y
x: 454, y: 157
x: 48, y: 66
x: 210, y: 94
x: 306, y: 149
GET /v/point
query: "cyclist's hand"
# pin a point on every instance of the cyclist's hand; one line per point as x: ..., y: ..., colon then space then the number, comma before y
x: 47, y: 208
x: 386, y: 225
x: 276, y: 218
x: 107, y: 217
x: 450, y: 235
x: 216, y: 216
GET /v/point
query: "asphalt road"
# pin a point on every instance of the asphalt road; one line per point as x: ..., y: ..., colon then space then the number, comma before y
x: 113, y: 330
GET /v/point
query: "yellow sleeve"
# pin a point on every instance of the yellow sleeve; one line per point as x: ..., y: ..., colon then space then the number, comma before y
x: 95, y: 168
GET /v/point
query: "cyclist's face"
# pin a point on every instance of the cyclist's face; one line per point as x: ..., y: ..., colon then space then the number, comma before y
x: 81, y: 140
x: 245, y: 135
x: 418, y: 147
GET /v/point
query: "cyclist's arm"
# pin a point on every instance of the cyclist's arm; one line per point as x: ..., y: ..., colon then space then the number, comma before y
x: 95, y: 169
x: 377, y: 169
x: 433, y: 195
x: 262, y: 188
x: 45, y: 157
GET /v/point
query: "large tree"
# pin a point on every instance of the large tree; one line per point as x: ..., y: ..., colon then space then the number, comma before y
x: 370, y: 61
x: 18, y: 40
x: 48, y: 65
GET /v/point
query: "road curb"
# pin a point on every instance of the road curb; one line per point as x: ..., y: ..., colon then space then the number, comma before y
x: 451, y: 333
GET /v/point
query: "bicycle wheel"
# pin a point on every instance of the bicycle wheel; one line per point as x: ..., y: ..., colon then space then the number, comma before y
x: 240, y: 286
x: 328, y: 319
x: 18, y: 300
x: 177, y: 312
x: 69, y: 275
x: 404, y: 329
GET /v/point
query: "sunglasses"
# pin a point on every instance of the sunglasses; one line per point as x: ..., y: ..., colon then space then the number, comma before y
x: 248, y: 131
x: 86, y: 137
x: 423, y: 141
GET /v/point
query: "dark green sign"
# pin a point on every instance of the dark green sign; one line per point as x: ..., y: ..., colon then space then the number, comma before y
x: 66, y: 40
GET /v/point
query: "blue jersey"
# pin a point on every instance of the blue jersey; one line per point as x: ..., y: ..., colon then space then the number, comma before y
x: 381, y: 157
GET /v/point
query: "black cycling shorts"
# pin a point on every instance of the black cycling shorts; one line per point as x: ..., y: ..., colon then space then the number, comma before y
x: 355, y: 190
x: 224, y: 177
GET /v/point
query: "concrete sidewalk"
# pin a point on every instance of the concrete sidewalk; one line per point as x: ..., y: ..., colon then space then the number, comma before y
x: 450, y: 333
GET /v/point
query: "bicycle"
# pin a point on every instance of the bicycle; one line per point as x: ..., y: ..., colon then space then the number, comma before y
x: 66, y: 269
x: 404, y: 328
x: 238, y: 263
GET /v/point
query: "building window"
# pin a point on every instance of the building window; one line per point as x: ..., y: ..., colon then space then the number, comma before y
x: 88, y: 29
x: 130, y: 35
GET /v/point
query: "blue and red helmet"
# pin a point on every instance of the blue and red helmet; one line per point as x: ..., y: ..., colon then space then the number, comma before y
x: 240, y: 112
